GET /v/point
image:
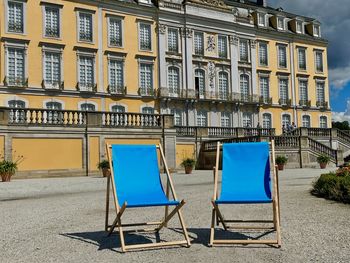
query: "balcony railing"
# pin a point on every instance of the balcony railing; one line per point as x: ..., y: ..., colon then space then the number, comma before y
x: 265, y: 100
x: 56, y: 85
x: 117, y: 90
x: 285, y: 102
x: 87, y: 87
x: 305, y: 103
x: 165, y: 93
x: 322, y: 104
x: 146, y: 92
x: 16, y: 81
x: 245, y: 98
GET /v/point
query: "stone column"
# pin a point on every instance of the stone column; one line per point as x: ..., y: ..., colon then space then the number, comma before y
x: 161, y: 55
x: 234, y: 63
x: 253, y: 55
x: 188, y: 57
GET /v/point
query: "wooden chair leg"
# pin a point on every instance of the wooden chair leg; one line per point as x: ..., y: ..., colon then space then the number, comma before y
x: 212, y: 227
x: 107, y: 202
x: 182, y: 222
x: 219, y: 215
x: 165, y: 221
x: 278, y: 226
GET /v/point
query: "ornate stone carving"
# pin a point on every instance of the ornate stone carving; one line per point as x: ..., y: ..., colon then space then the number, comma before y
x: 211, y: 74
x: 214, y: 3
x: 186, y: 32
x: 161, y: 28
x: 234, y: 40
x: 253, y: 43
x: 211, y: 43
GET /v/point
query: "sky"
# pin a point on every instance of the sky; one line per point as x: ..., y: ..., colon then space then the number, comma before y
x: 334, y: 16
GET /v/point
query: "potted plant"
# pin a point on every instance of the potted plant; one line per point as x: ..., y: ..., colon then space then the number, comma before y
x: 281, y: 161
x: 104, y: 167
x: 7, y: 170
x: 323, y: 160
x: 188, y: 164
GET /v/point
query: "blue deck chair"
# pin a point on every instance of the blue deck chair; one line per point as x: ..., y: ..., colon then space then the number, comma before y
x: 136, y: 183
x: 245, y: 180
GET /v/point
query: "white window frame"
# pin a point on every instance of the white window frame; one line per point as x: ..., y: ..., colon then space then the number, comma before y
x: 249, y: 116
x: 280, y: 78
x: 324, y: 90
x: 283, y: 28
x: 148, y: 23
x: 121, y: 20
x: 143, y: 108
x: 318, y: 51
x: 263, y: 17
x: 180, y: 113
x: 286, y: 114
x: 8, y: 45
x: 315, y: 29
x: 278, y: 56
x: 24, y: 19
x: 202, y: 51
x: 248, y: 50
x: 271, y: 120
x: 226, y: 45
x: 302, y: 121
x: 59, y: 8
x: 174, y: 94
x: 80, y: 103
x: 224, y: 119
x: 204, y: 80
x: 93, y: 56
x: 220, y: 94
x: 300, y: 80
x: 151, y: 63
x: 122, y: 61
x: 52, y: 50
x: 265, y: 76
x: 320, y: 123
x: 88, y: 12
x: 178, y: 40
x: 206, y: 118
x: 301, y: 49
x: 301, y: 23
x: 267, y: 53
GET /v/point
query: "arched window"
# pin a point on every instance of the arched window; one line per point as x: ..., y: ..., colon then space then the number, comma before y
x: 223, y: 85
x: 247, y: 120
x: 148, y: 110
x: 53, y: 116
x: 286, y: 121
x: 267, y: 121
x: 323, y: 122
x: 174, y: 81
x: 244, y: 87
x: 177, y: 117
x: 118, y: 108
x: 225, y: 119
x: 17, y: 115
x: 117, y: 118
x: 202, y: 118
x: 87, y: 107
x: 200, y: 82
x: 306, y: 122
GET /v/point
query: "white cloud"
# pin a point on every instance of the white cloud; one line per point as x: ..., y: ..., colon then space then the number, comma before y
x: 342, y: 116
x: 339, y: 77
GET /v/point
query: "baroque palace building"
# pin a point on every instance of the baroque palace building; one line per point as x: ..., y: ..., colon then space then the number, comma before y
x: 210, y: 63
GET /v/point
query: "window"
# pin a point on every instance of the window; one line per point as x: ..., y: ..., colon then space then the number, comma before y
x: 87, y: 107
x: 173, y: 81
x: 299, y: 27
x: 145, y: 37
x: 303, y: 92
x: 52, y: 21
x: 286, y: 121
x: 52, y: 69
x: 261, y: 20
x: 16, y: 114
x: 15, y: 67
x: 317, y: 31
x: 225, y: 119
x: 319, y: 61
x: 264, y: 89
x: 223, y: 85
x: 267, y: 121
x: 244, y: 87
x: 148, y: 110
x: 85, y: 27
x: 173, y: 40
x: 202, y: 118
x: 282, y: 56
x: 302, y: 58
x: 177, y: 117
x: 320, y: 94
x: 54, y: 116
x: 283, y: 88
x: 243, y: 50
x: 247, y: 120
x: 222, y: 46
x: 115, y: 32
x: 146, y: 79
x: 200, y: 82
x: 263, y: 56
x: 118, y: 108
x: 86, y: 73
x: 15, y: 17
x: 118, y: 119
x: 306, y: 122
x: 198, y: 43
x: 116, y: 76
x: 280, y: 23
x: 323, y: 122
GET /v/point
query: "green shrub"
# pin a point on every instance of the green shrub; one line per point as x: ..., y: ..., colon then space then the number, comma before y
x: 188, y: 162
x: 323, y: 159
x: 281, y: 160
x: 333, y: 186
x: 103, y: 164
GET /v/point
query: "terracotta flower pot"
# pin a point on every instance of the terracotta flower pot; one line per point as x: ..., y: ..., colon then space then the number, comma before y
x: 6, y: 177
x: 188, y: 169
x: 106, y: 172
x: 280, y: 167
x: 323, y: 165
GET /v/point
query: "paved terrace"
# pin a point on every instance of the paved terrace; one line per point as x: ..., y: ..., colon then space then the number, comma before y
x: 62, y: 220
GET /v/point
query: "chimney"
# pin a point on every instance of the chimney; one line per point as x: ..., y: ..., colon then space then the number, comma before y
x: 262, y: 3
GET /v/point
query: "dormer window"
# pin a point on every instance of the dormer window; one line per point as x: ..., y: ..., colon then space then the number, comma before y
x: 299, y: 27
x: 317, y: 31
x: 280, y: 23
x: 262, y: 20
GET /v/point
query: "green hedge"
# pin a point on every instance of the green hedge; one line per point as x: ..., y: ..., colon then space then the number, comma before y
x: 333, y: 186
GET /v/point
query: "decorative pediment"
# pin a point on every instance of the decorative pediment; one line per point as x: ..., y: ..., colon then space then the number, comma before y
x: 213, y: 3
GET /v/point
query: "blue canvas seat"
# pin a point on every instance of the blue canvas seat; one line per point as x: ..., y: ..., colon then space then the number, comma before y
x: 245, y: 180
x: 136, y: 183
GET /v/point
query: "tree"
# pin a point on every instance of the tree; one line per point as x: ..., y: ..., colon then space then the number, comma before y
x: 341, y: 125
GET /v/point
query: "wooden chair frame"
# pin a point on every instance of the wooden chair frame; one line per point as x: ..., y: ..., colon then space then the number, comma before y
x: 160, y: 224
x: 217, y: 215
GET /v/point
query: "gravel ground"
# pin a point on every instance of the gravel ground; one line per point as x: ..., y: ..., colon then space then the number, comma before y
x: 62, y: 220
